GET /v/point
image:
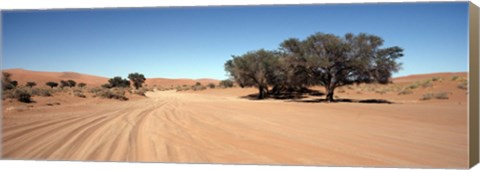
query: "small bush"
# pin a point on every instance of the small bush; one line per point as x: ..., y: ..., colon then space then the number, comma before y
x: 211, y: 85
x: 79, y: 94
x: 405, y: 92
x: 23, y: 95
x: 51, y: 84
x: 440, y: 95
x: 198, y: 87
x: 81, y: 85
x: 463, y: 85
x: 30, y: 84
x: 436, y: 79
x: 454, y: 78
x: 226, y: 83
x: 115, y: 93
x: 412, y: 86
x: 42, y: 92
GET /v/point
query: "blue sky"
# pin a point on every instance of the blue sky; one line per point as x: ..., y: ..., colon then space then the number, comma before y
x: 195, y: 42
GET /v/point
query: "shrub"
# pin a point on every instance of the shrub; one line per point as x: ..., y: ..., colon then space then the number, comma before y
x: 405, y: 91
x: 107, y: 85
x: 41, y: 92
x: 454, y: 78
x: 118, y: 82
x: 211, y: 85
x: 440, y: 95
x: 114, y: 93
x: 23, y: 95
x: 79, y: 94
x: 198, y: 87
x: 30, y: 84
x: 95, y: 90
x: 436, y: 79
x: 67, y: 83
x: 7, y: 82
x: 426, y: 84
x: 51, y: 84
x: 71, y: 83
x: 137, y: 79
x: 463, y: 85
x: 81, y: 85
x: 226, y: 83
x: 182, y: 88
x: 412, y: 86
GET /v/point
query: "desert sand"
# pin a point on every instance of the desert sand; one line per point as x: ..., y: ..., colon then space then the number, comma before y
x: 221, y: 126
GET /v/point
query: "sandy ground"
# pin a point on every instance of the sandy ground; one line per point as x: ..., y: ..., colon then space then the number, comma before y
x: 216, y: 126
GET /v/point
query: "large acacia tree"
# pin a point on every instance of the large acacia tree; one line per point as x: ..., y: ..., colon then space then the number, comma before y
x: 333, y: 61
x: 253, y: 69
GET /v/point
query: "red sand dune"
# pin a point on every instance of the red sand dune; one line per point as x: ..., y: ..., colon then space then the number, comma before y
x: 41, y: 77
x: 417, y: 77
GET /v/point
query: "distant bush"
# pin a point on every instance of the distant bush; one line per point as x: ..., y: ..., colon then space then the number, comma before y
x: 137, y: 79
x: 21, y: 94
x: 30, y: 84
x: 42, y: 92
x: 182, y: 88
x: 7, y: 82
x: 436, y: 79
x: 79, y: 94
x: 440, y: 95
x: 95, y: 90
x: 67, y: 83
x: 226, y: 83
x: 463, y: 85
x: 211, y: 85
x: 51, y: 84
x: 114, y: 93
x: 454, y: 78
x: 198, y: 84
x: 81, y: 85
x: 405, y: 91
x: 198, y: 87
x: 118, y: 82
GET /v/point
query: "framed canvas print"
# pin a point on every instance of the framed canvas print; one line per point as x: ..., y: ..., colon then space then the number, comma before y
x: 357, y: 85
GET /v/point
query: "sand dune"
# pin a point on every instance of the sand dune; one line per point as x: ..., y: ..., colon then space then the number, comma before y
x: 417, y: 77
x: 166, y: 83
x: 41, y: 77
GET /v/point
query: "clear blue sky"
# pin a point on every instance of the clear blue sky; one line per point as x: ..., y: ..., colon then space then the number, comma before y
x: 195, y: 42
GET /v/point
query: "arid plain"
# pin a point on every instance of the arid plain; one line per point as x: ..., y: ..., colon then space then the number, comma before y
x: 402, y: 124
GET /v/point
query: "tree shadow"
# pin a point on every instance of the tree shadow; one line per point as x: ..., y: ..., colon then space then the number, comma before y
x: 286, y: 95
x: 367, y: 101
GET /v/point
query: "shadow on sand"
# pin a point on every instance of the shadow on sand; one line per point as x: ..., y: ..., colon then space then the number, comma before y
x: 298, y: 96
x: 367, y: 101
x: 286, y: 95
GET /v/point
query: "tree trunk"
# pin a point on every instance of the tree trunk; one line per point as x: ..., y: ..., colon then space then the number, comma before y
x: 261, y: 92
x: 329, y: 96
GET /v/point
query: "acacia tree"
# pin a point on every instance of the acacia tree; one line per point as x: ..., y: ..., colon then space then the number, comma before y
x: 7, y: 82
x: 118, y: 82
x: 137, y: 79
x: 333, y: 61
x: 30, y: 84
x: 51, y: 84
x: 253, y: 69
